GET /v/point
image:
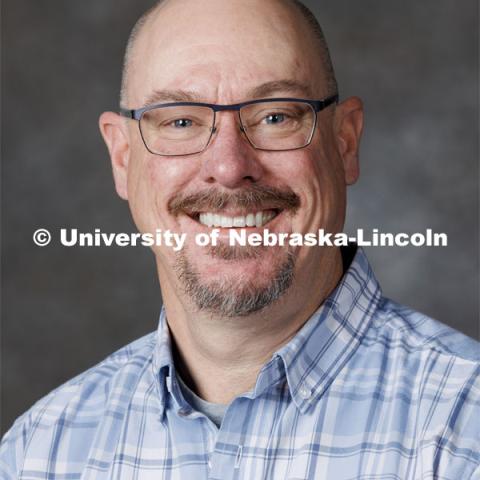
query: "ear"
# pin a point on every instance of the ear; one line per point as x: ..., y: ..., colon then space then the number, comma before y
x: 348, y: 130
x: 114, y: 132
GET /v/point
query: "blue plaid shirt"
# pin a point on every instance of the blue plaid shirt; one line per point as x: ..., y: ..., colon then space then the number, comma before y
x: 366, y: 390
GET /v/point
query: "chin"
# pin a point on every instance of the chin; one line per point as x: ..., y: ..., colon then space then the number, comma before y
x: 235, y: 282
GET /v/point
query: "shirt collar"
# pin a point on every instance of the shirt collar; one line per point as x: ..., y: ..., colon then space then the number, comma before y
x: 162, y: 363
x: 317, y: 353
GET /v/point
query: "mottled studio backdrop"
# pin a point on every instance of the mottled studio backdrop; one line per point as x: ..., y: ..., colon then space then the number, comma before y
x: 413, y: 62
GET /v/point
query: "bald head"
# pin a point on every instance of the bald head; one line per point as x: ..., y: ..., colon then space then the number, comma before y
x: 298, y: 14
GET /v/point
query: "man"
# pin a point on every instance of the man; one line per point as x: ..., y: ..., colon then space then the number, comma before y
x: 269, y: 362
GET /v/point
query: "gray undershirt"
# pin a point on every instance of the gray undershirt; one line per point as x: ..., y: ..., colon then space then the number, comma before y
x: 214, y: 411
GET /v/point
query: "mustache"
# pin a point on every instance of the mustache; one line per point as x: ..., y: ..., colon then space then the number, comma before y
x: 249, y: 198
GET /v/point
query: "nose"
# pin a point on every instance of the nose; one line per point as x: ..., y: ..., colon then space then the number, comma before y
x: 230, y: 160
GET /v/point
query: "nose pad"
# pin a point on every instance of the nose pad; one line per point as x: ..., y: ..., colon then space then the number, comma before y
x: 214, y: 130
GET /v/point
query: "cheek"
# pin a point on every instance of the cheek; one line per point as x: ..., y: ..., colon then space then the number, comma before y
x: 152, y: 181
x: 322, y: 191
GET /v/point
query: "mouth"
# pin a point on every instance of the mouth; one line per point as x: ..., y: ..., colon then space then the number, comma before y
x: 249, y: 219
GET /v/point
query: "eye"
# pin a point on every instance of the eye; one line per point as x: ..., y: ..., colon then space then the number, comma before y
x: 182, y: 123
x: 275, y: 118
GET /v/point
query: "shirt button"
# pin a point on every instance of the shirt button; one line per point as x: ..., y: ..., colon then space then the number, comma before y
x: 305, y: 392
x: 184, y: 412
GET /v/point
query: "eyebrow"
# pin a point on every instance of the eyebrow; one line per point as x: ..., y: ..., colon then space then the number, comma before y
x: 158, y: 96
x: 264, y: 90
x: 279, y: 86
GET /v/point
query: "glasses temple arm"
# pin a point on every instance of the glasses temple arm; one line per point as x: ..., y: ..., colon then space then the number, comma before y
x: 322, y: 104
x: 127, y: 113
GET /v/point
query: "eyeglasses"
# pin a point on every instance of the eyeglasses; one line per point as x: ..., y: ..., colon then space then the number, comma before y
x: 186, y: 128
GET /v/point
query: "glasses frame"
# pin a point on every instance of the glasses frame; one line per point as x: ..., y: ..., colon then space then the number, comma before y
x: 316, y: 105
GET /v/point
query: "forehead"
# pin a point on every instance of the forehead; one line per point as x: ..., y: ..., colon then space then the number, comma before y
x: 222, y: 50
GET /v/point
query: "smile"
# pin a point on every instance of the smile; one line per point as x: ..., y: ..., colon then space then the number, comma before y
x: 251, y: 219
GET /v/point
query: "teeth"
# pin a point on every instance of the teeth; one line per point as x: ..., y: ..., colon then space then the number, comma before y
x: 250, y: 220
x: 226, y: 222
x: 267, y: 216
x: 239, y: 221
x: 257, y: 219
x: 206, y: 219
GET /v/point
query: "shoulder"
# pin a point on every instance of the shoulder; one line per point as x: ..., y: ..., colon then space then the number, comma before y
x: 79, y: 403
x: 416, y: 332
x: 431, y: 366
x: 434, y: 371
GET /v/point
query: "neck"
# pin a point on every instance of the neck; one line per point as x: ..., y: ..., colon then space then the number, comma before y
x: 219, y: 358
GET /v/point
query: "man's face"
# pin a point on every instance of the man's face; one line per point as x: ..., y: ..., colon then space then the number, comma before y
x: 230, y: 52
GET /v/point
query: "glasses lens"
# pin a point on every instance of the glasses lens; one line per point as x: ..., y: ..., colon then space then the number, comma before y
x: 177, y: 130
x: 278, y: 125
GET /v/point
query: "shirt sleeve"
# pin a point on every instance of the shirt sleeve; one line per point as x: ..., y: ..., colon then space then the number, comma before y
x: 12, y: 448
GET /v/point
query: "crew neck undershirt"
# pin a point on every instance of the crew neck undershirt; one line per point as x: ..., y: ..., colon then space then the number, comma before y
x: 214, y: 411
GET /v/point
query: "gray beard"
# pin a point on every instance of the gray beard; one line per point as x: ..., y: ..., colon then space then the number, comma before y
x: 232, y: 298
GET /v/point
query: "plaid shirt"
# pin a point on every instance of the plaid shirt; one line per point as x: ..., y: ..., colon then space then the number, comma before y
x: 366, y: 390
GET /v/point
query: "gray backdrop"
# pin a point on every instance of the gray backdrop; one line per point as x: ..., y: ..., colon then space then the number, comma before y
x: 64, y: 309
